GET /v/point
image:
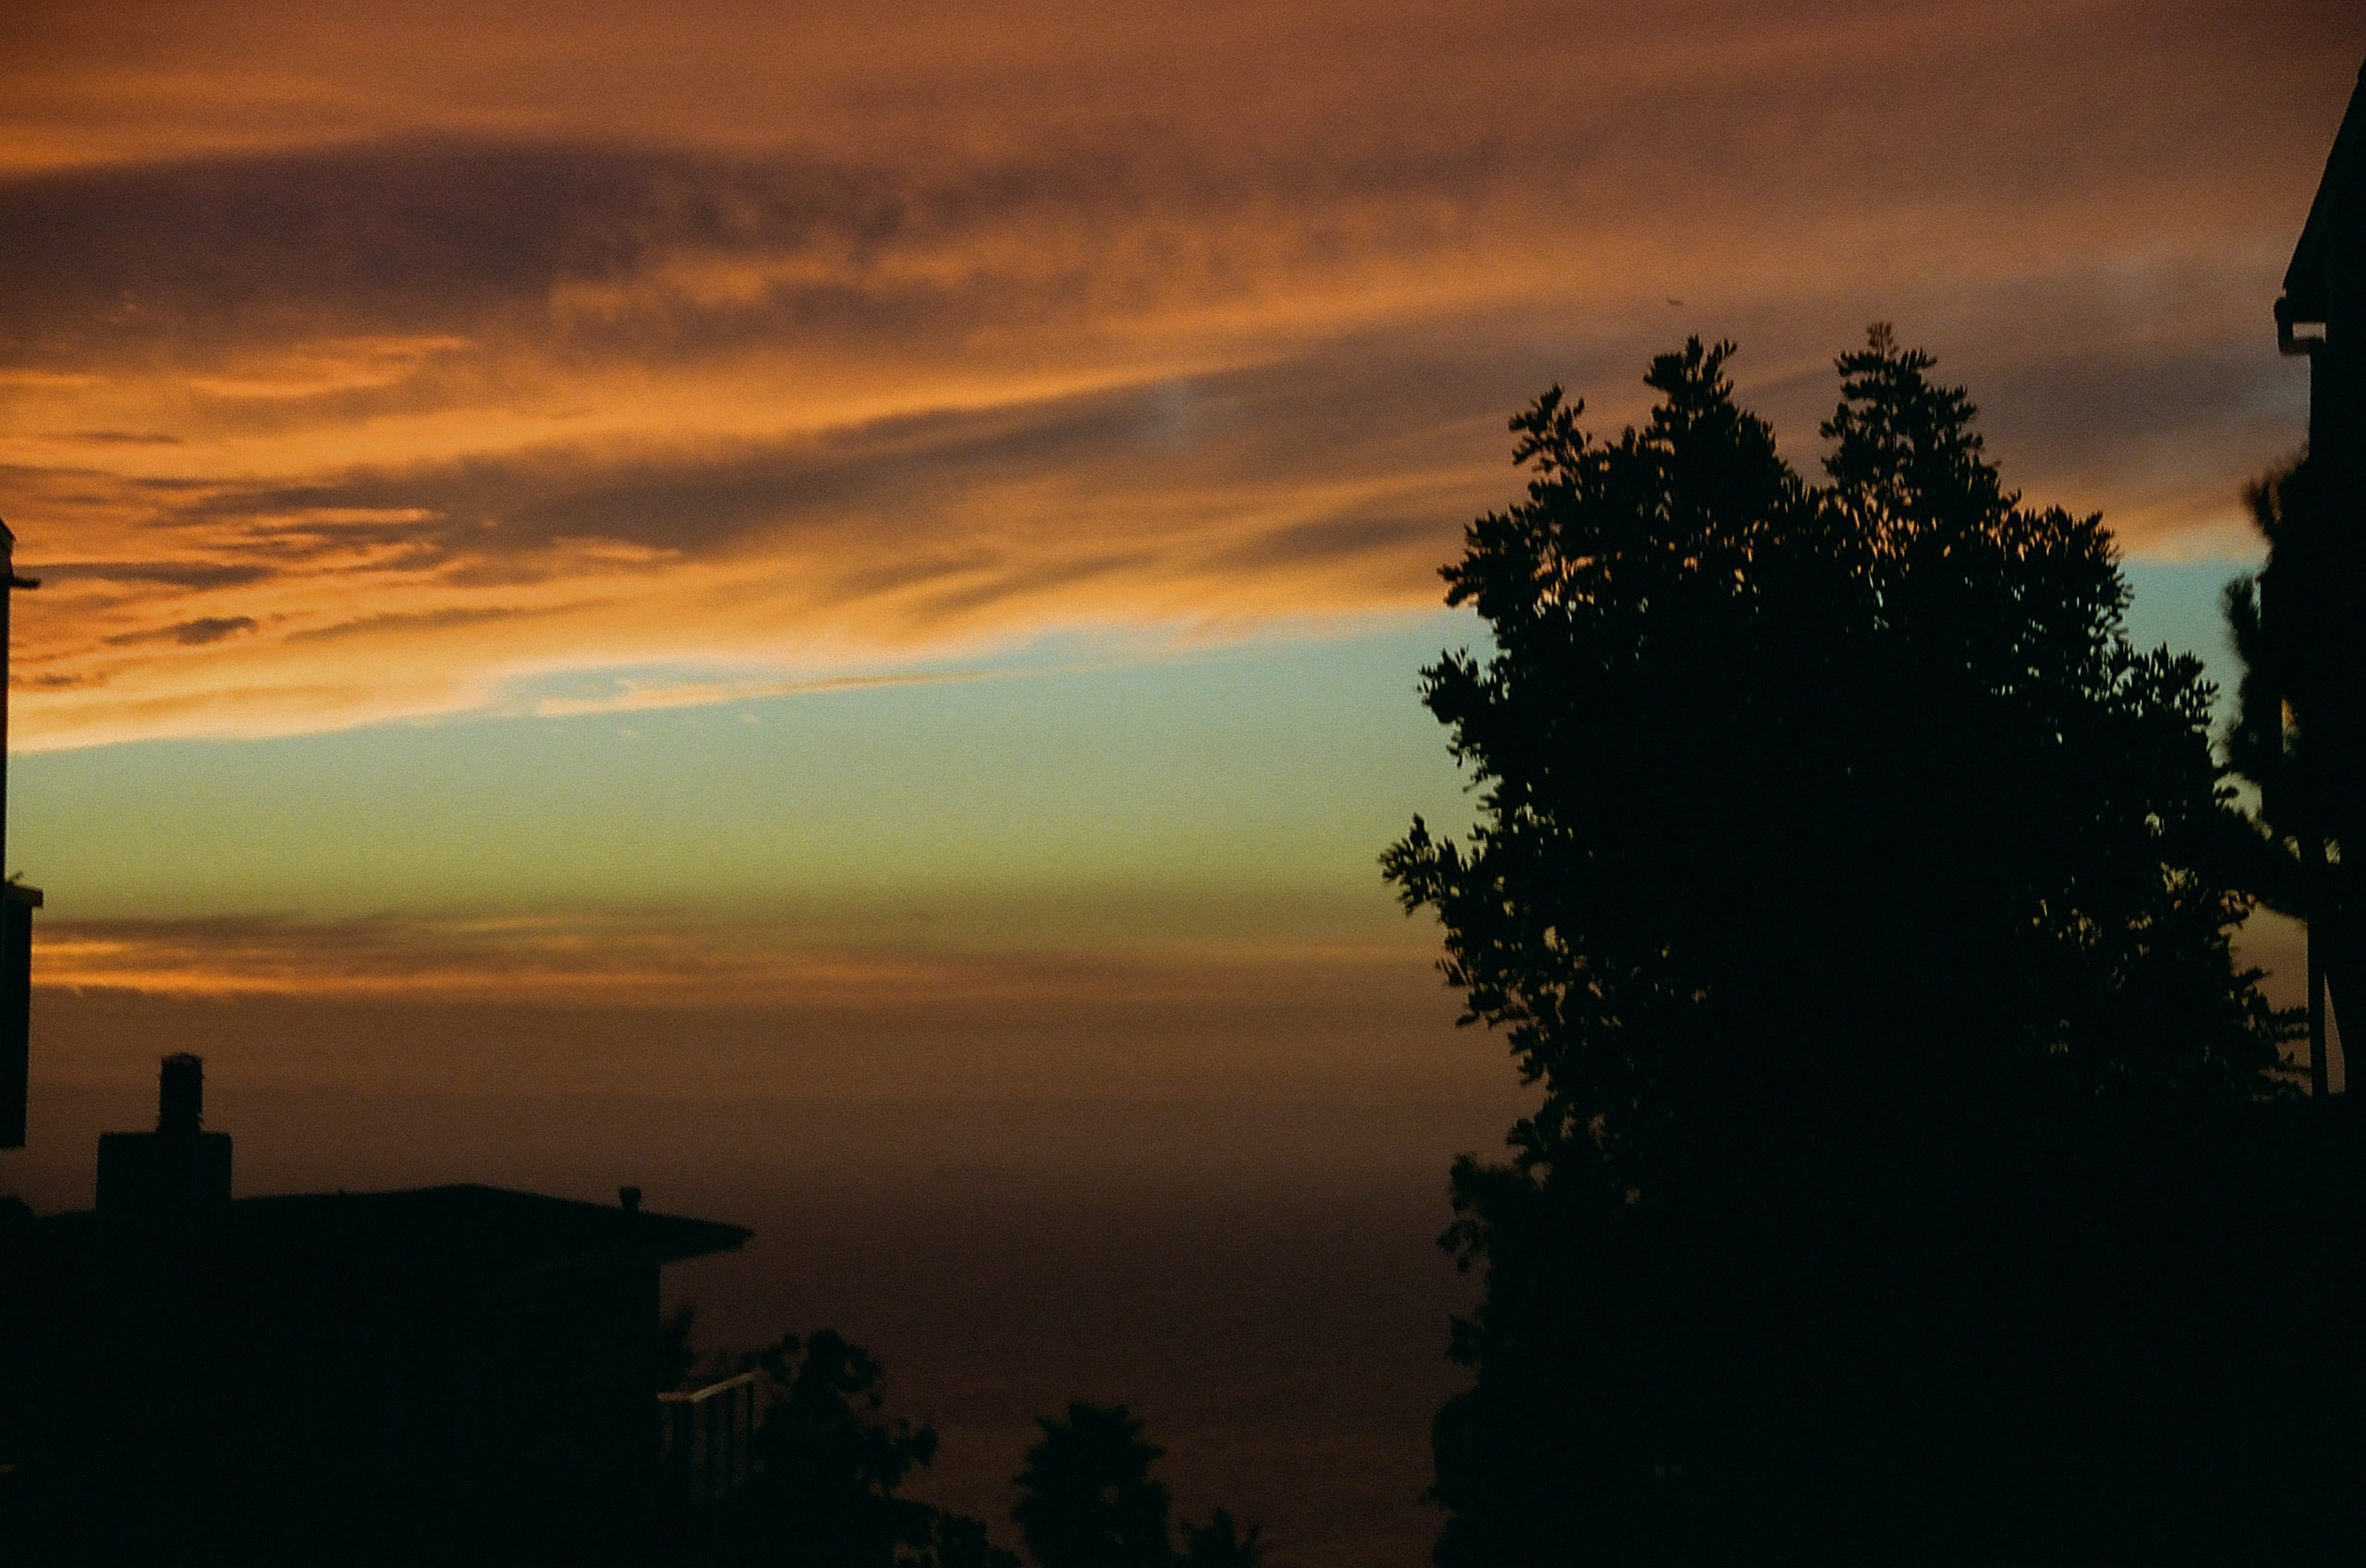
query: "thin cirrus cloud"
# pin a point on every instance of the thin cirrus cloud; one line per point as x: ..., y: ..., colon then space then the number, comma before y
x: 642, y: 961
x: 512, y: 957
x: 354, y: 371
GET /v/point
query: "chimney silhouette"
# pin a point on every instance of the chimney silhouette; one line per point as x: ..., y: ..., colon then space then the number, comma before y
x: 180, y: 1096
x: 178, y: 1171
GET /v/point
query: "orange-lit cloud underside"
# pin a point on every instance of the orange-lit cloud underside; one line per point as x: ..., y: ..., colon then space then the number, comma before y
x: 355, y: 368
x: 622, y: 960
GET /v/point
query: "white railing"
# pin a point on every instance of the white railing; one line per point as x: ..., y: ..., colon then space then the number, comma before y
x: 704, y: 1436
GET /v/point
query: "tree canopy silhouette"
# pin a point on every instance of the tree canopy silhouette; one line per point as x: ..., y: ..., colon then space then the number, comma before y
x: 1840, y: 868
x: 1087, y: 1500
x: 1813, y: 790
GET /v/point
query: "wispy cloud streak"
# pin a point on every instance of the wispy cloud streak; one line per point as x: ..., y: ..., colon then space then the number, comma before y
x: 585, y: 959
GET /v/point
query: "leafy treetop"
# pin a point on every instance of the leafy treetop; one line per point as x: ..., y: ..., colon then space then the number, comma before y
x: 1808, y: 805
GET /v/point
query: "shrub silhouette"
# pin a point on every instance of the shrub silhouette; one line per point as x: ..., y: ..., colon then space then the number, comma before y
x: 1087, y: 1499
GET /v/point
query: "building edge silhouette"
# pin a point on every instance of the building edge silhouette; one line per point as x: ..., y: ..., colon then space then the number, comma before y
x: 2321, y: 316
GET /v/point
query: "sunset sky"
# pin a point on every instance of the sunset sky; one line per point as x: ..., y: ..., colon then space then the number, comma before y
x: 830, y: 500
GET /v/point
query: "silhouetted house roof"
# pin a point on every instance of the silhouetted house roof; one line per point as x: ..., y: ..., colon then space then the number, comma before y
x: 2323, y: 280
x: 446, y: 1374
x: 447, y: 1230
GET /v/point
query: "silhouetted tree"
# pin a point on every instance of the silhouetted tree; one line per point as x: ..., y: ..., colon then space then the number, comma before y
x: 1086, y: 1499
x: 1219, y: 1543
x: 962, y: 1542
x: 1841, y: 871
x: 827, y: 1467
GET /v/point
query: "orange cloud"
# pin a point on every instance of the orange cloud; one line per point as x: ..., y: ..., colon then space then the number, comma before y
x: 354, y: 369
x: 590, y: 959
